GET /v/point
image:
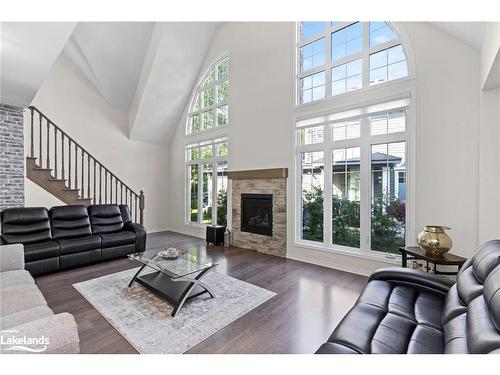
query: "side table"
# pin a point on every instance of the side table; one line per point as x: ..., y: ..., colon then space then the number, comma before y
x: 415, y: 252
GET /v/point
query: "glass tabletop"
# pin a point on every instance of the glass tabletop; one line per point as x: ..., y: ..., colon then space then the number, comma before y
x: 185, y: 264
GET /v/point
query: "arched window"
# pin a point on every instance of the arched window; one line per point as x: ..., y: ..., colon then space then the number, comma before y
x: 352, y: 157
x: 335, y: 58
x: 207, y: 150
x: 209, y: 108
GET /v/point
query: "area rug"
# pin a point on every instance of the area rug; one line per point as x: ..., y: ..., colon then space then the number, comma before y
x: 144, y: 319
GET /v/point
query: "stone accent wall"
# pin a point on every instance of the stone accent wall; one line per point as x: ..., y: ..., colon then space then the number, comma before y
x: 275, y: 245
x: 11, y: 157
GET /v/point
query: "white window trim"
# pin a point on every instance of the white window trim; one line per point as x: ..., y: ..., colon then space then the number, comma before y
x: 205, y: 137
x: 198, y: 90
x: 365, y: 252
x: 364, y: 54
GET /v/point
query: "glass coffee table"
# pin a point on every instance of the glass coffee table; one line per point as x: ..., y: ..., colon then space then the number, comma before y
x: 176, y: 280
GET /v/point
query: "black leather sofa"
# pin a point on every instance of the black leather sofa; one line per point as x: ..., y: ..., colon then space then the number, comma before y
x: 70, y: 236
x: 407, y: 311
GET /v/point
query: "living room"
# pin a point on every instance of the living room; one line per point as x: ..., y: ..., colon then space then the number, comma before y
x: 257, y: 185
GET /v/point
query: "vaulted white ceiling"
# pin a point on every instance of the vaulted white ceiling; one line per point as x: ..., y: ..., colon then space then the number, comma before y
x: 471, y: 33
x: 28, y: 52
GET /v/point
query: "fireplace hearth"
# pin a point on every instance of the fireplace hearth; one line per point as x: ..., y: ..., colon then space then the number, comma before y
x: 257, y: 214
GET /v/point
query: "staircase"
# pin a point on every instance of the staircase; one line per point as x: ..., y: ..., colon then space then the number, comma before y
x: 65, y: 169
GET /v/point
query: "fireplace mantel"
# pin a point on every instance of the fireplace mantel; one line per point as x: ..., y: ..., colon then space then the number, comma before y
x: 258, y: 173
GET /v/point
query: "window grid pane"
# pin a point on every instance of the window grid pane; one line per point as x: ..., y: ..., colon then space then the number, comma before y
x: 387, y: 65
x: 347, y: 41
x: 312, y: 55
x: 309, y: 29
x: 380, y: 32
x: 388, y: 221
x: 349, y: 129
x: 312, y: 195
x: 313, y: 87
x: 347, y: 77
x: 346, y: 196
x: 312, y: 135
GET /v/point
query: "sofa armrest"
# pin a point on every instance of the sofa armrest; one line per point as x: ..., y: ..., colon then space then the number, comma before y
x: 140, y: 235
x: 54, y: 334
x: 11, y: 257
x: 415, y: 279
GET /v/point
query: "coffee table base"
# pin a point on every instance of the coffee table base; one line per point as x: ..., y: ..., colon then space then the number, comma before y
x: 177, y: 291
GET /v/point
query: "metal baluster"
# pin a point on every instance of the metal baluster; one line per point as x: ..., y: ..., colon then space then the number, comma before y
x: 100, y: 183
x: 83, y: 176
x: 48, y: 143
x: 55, y: 152
x: 121, y: 192
x: 69, y: 163
x: 32, y: 150
x: 76, y: 166
x: 130, y: 206
x: 62, y: 156
x: 105, y: 186
x: 135, y: 208
x: 95, y: 182
x: 116, y: 190
x: 88, y: 176
x: 40, y: 143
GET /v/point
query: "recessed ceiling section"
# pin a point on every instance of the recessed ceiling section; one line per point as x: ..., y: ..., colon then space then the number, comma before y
x: 111, y: 54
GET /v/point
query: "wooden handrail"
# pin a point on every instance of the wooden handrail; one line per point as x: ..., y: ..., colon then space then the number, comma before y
x: 91, y: 192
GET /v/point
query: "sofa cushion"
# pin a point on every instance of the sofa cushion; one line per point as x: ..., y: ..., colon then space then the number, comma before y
x: 19, y: 298
x: 117, y: 239
x: 105, y: 218
x: 78, y: 245
x: 41, y: 250
x: 70, y: 222
x: 391, y: 318
x: 25, y: 225
x: 13, y: 278
x: 24, y: 316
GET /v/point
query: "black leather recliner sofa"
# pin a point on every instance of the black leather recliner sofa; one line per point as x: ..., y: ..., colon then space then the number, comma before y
x: 70, y: 236
x: 407, y: 311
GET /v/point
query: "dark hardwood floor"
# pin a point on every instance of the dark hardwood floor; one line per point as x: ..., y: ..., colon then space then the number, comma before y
x: 310, y: 301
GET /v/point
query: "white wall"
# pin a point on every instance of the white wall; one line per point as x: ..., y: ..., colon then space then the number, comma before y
x: 261, y: 128
x: 73, y: 103
x: 489, y: 166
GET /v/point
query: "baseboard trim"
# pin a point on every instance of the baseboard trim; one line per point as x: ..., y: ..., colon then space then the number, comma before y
x: 330, y: 264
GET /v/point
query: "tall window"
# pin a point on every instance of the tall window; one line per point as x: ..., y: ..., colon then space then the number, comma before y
x: 352, y: 178
x: 206, y: 187
x: 207, y: 153
x: 335, y: 58
x: 209, y: 108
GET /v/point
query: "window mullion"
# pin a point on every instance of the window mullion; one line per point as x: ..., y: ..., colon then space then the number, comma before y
x: 200, y: 193
x: 328, y: 66
x: 365, y: 169
x: 366, y: 54
x: 327, y: 199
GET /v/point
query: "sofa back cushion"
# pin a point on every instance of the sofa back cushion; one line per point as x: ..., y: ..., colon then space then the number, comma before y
x: 126, y: 216
x: 105, y: 218
x: 471, y: 315
x: 25, y: 225
x: 70, y: 222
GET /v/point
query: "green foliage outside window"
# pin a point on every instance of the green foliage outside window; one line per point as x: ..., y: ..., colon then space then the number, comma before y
x: 222, y: 207
x: 312, y: 214
x: 388, y: 221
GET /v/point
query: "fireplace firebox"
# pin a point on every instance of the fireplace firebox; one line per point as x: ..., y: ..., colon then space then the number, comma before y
x: 257, y: 213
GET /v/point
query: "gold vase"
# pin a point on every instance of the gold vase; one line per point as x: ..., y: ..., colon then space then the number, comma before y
x: 434, y: 240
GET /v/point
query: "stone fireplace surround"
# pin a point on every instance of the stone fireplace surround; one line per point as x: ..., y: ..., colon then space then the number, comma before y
x: 260, y: 181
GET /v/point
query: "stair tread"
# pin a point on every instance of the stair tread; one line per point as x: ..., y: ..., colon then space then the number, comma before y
x: 57, y: 179
x: 42, y: 169
x: 68, y: 189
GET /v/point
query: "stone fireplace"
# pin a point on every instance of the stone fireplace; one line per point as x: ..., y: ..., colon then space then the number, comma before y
x: 259, y: 210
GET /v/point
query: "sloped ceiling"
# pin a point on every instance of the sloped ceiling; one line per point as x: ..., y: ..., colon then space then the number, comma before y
x: 173, y: 63
x: 470, y: 33
x: 28, y: 51
x: 144, y: 68
x: 111, y: 55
